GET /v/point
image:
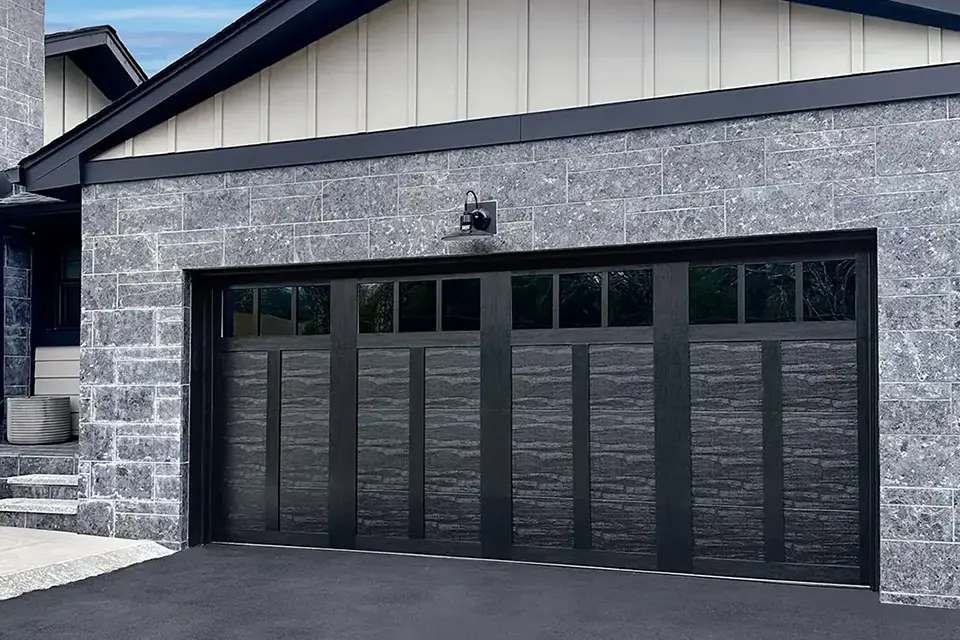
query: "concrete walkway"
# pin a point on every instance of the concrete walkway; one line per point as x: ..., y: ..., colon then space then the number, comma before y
x: 32, y: 559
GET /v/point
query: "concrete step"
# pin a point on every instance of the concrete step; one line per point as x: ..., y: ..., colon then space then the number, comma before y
x: 39, y: 513
x: 42, y: 486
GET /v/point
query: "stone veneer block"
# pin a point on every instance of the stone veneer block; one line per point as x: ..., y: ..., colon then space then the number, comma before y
x: 863, y: 168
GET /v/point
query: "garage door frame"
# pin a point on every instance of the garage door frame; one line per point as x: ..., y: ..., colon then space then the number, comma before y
x: 495, y: 529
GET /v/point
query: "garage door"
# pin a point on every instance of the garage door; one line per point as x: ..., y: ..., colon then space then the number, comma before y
x: 705, y: 416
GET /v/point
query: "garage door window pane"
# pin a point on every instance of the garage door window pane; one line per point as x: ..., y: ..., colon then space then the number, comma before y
x: 375, y: 302
x: 238, y: 318
x: 461, y: 305
x: 580, y: 300
x: 713, y: 295
x: 631, y: 298
x: 313, y: 310
x: 771, y: 293
x: 276, y: 312
x: 829, y: 290
x: 533, y: 302
x: 418, y: 306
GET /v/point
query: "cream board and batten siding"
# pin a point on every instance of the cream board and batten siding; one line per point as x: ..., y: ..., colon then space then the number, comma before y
x: 70, y: 97
x: 57, y: 373
x: 420, y: 62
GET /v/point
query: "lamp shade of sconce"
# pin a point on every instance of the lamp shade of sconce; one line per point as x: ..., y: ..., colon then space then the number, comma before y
x: 478, y: 220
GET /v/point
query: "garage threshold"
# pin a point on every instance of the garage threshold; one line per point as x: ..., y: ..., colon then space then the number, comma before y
x: 794, y: 583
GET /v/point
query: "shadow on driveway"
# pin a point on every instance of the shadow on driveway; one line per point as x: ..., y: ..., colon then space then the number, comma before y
x: 241, y: 593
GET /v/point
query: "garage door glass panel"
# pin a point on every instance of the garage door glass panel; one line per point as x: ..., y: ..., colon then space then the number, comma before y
x: 829, y: 290
x: 304, y: 441
x: 276, y: 312
x: 630, y: 298
x: 542, y: 447
x: 452, y: 444
x: 461, y: 304
x: 622, y: 449
x: 313, y: 310
x: 375, y: 303
x: 533, y: 302
x: 770, y: 292
x: 727, y: 450
x: 383, y: 459
x: 239, y: 318
x: 713, y: 295
x: 418, y: 306
x: 242, y: 442
x: 581, y: 299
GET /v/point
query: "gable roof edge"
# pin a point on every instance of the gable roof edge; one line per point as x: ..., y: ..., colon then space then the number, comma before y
x: 270, y: 32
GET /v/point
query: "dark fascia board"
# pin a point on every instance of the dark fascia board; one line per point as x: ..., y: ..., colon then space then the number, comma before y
x: 102, y: 56
x: 729, y: 104
x: 264, y: 36
x: 269, y: 33
x: 929, y: 13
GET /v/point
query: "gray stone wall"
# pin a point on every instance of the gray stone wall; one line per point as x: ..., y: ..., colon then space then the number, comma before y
x: 893, y: 167
x: 17, y: 317
x: 22, y: 82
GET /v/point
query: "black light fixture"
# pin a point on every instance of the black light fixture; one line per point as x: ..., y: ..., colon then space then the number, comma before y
x: 479, y: 219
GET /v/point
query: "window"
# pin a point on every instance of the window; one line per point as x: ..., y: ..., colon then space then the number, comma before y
x: 68, y: 314
x: 375, y: 305
x: 533, y: 302
x: 239, y: 318
x: 829, y: 290
x: 276, y: 312
x: 418, y: 306
x: 460, y: 305
x: 581, y: 299
x: 770, y: 292
x: 630, y: 301
x: 313, y: 310
x: 713, y: 295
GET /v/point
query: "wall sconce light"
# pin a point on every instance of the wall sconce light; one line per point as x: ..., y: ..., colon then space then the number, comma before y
x: 479, y: 219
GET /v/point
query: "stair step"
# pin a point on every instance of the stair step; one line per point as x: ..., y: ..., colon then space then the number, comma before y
x: 39, y: 505
x: 45, y: 480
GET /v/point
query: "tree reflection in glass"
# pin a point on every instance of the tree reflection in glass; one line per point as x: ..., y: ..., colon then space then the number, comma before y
x: 313, y: 310
x: 771, y: 292
x: 713, y: 295
x: 375, y: 303
x: 630, y: 301
x: 533, y: 302
x: 829, y: 290
x: 581, y: 298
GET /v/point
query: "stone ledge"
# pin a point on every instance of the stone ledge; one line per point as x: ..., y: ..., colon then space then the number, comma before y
x: 39, y: 505
x: 45, y: 479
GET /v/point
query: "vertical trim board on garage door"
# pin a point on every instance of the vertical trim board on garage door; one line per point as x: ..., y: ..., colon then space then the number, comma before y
x: 343, y: 413
x: 496, y: 464
x: 773, y: 541
x: 671, y: 362
x: 272, y: 498
x: 581, y: 446
x: 418, y: 397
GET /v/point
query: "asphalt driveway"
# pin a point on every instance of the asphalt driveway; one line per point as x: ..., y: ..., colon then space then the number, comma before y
x: 240, y: 593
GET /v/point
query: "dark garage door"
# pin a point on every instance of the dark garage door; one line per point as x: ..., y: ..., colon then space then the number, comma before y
x: 704, y: 416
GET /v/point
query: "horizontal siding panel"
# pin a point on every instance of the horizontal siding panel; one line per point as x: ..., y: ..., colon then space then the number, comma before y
x: 58, y: 353
x: 422, y: 62
x: 57, y: 386
x: 58, y: 369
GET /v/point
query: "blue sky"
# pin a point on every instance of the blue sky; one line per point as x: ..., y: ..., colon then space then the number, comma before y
x: 156, y: 32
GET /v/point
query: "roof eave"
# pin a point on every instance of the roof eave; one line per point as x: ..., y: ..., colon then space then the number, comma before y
x: 102, y: 56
